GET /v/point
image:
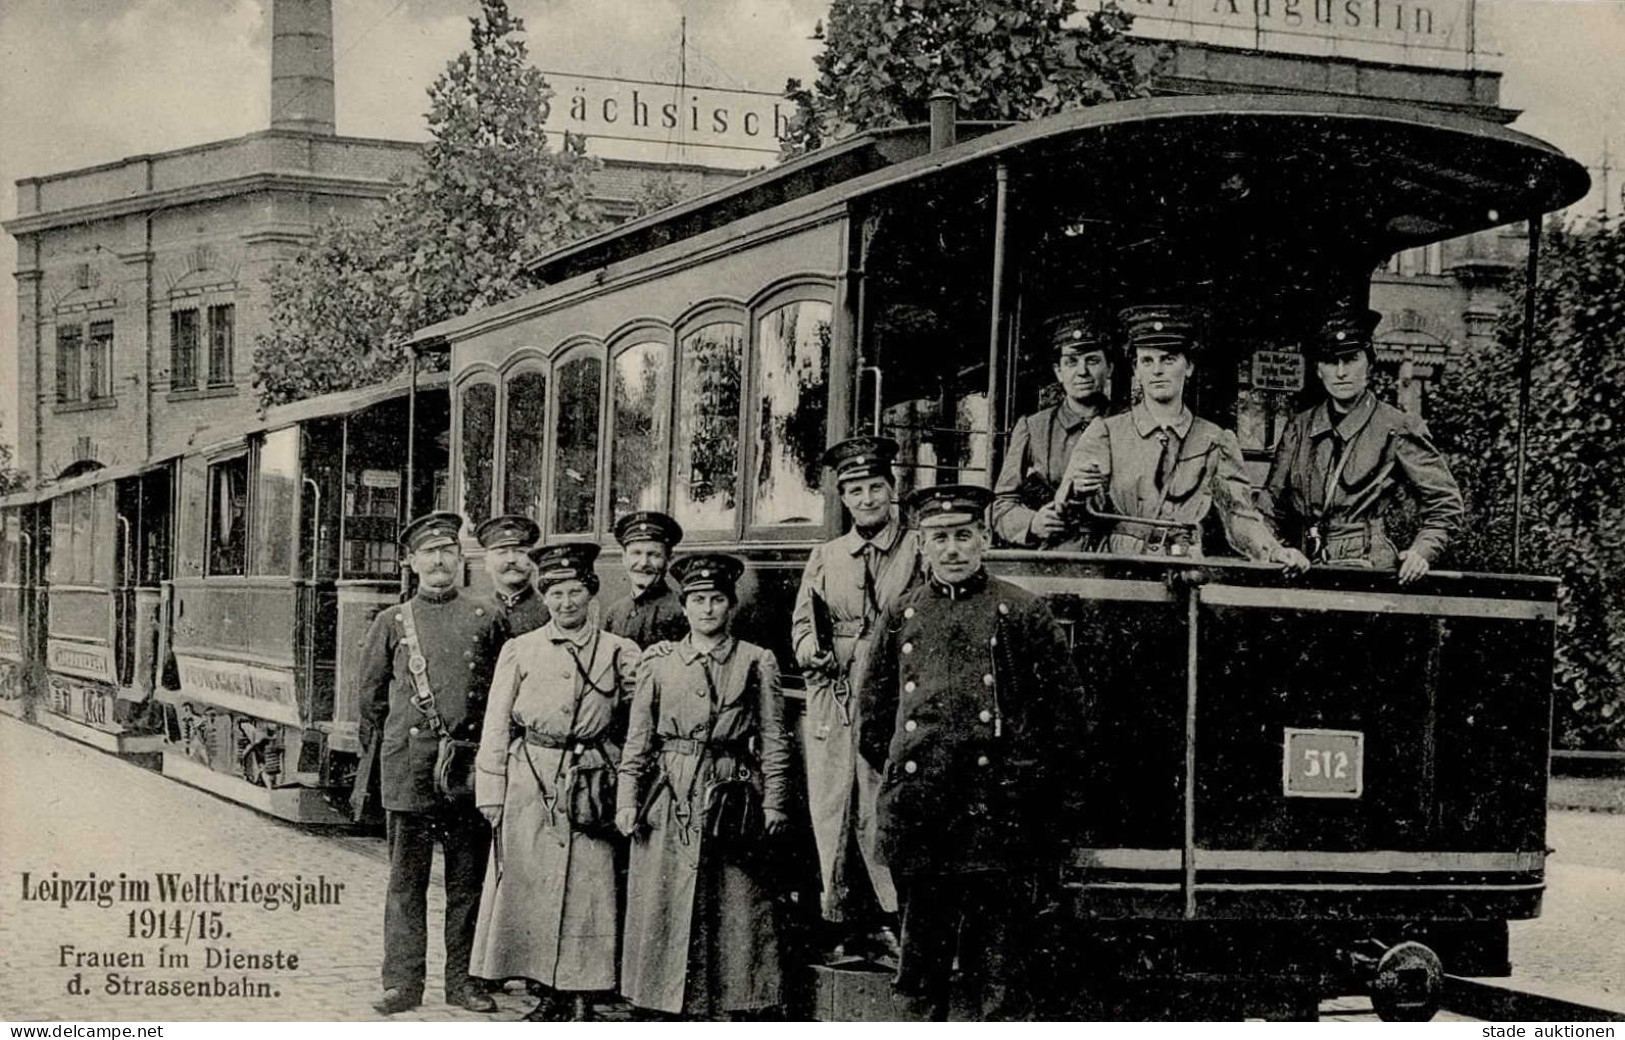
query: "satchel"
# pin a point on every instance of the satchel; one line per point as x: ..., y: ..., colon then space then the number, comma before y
x: 592, y: 799
x: 734, y: 817
x: 454, y: 767
x: 454, y: 758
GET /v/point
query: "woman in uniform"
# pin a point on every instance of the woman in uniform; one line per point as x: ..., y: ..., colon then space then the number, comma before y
x: 545, y: 780
x: 1342, y: 462
x: 704, y: 781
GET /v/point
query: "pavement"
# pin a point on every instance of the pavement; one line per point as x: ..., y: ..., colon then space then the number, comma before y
x: 69, y: 809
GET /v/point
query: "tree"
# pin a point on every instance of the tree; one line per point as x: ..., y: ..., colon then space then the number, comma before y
x: 1574, y: 493
x: 1001, y: 59
x: 657, y: 191
x: 11, y: 478
x: 452, y: 238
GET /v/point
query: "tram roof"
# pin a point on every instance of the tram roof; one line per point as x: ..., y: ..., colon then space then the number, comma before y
x: 1444, y: 174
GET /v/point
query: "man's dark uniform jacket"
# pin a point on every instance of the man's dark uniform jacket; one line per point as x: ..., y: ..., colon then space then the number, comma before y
x: 974, y: 710
x: 460, y: 637
x: 525, y: 611
x: 648, y: 618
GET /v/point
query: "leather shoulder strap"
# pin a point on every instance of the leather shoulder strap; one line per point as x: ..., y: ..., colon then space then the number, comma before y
x: 418, y: 667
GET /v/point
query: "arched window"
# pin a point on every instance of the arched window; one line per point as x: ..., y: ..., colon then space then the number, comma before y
x: 705, y: 455
x: 575, y: 445
x: 525, y: 428
x: 640, y: 390
x: 789, y: 414
x: 477, y: 448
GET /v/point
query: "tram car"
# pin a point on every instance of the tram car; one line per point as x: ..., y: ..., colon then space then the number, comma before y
x: 1296, y: 787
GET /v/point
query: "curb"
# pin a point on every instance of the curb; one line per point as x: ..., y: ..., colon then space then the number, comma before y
x: 1523, y: 1000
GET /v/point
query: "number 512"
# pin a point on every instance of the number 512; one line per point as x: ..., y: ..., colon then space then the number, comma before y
x: 1333, y: 765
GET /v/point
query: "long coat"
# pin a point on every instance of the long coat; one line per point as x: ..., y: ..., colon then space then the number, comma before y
x: 1205, y: 475
x: 700, y: 936
x: 549, y: 909
x: 835, y: 571
x: 460, y: 637
x: 1375, y: 450
x: 974, y: 711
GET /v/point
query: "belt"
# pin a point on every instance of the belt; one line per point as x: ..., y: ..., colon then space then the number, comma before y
x: 1157, y: 540
x: 1364, y: 532
x: 847, y: 628
x: 690, y: 746
x: 557, y: 743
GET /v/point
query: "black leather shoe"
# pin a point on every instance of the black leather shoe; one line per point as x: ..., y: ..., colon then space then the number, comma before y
x: 394, y: 1001
x: 471, y: 999
x: 581, y: 1009
x: 548, y: 1009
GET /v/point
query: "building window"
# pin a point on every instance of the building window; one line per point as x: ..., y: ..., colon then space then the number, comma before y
x: 575, y: 446
x: 98, y: 379
x: 706, y: 453
x: 69, y: 351
x: 479, y: 413
x: 228, y: 515
x: 526, y: 423
x: 790, y: 413
x: 183, y: 344
x: 637, y: 465
x: 222, y: 328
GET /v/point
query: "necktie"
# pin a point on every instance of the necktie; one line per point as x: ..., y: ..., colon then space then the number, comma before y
x: 871, y: 601
x: 1165, y: 461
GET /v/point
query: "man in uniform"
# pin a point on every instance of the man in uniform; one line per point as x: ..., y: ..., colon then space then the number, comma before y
x: 431, y: 657
x: 652, y: 612
x: 1024, y: 512
x: 973, y: 709
x: 1157, y: 462
x: 508, y: 541
x: 848, y: 583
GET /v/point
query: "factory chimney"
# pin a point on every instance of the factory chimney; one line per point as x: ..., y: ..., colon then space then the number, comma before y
x: 302, y: 65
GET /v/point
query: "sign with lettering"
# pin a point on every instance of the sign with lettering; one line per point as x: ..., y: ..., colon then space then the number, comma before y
x: 1277, y: 370
x: 265, y: 693
x: 10, y: 645
x: 744, y: 126
x: 88, y: 660
x: 1428, y: 33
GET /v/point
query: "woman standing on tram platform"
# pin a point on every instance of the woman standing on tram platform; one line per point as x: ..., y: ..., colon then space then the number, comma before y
x: 707, y: 724
x: 545, y: 780
x: 1340, y: 463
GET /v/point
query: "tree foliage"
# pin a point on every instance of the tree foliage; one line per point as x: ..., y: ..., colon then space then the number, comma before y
x: 451, y: 238
x: 1574, y: 491
x: 1001, y: 59
x: 11, y: 478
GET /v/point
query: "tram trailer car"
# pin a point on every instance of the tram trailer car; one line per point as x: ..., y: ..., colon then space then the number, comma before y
x: 1295, y: 787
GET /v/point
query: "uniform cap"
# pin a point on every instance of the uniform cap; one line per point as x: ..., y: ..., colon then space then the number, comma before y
x: 858, y: 458
x: 564, y: 561
x: 1345, y: 330
x: 1163, y: 326
x: 431, y: 529
x: 1076, y: 332
x: 708, y: 572
x: 646, y: 525
x: 948, y: 505
x: 503, y: 531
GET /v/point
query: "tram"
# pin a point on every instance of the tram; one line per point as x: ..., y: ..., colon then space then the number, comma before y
x: 205, y: 612
x: 1311, y: 786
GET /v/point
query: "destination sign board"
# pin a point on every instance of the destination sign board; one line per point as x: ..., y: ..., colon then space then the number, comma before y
x: 266, y: 693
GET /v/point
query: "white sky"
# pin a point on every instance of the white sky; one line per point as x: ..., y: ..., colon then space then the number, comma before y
x: 91, y: 81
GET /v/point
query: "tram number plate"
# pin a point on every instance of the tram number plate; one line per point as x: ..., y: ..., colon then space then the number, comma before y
x: 1323, y: 763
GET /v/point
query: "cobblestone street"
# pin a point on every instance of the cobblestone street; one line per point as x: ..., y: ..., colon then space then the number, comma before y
x: 83, y: 812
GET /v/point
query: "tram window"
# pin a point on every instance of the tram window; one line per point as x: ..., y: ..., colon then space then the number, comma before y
x: 228, y: 513
x: 277, y: 503
x: 479, y: 408
x: 61, y: 556
x: 10, y: 571
x: 106, y: 533
x: 637, y: 465
x: 706, y: 452
x: 84, y: 536
x: 790, y: 413
x: 526, y: 422
x: 575, y: 446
